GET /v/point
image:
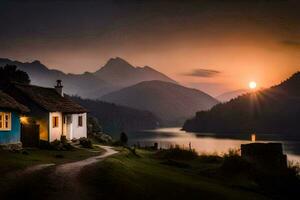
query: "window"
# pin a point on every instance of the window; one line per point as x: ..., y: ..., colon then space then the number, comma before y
x: 5, y: 121
x: 80, y: 121
x: 55, y: 122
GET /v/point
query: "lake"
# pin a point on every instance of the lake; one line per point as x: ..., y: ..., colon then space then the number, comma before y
x: 209, y: 143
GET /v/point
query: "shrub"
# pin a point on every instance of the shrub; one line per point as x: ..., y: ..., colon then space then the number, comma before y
x: 60, y: 145
x: 177, y: 153
x: 101, y: 138
x: 93, y: 125
x: 294, y: 169
x: 234, y: 163
x: 85, y: 143
x: 123, y: 138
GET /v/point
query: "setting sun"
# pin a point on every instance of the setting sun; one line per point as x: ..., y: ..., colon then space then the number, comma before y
x: 252, y: 85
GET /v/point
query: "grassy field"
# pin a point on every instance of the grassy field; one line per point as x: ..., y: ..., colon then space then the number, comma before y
x: 127, y: 176
x: 37, y: 184
x: 144, y: 175
x: 10, y: 161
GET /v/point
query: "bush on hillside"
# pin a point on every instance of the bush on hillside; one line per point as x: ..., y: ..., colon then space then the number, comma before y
x: 85, y: 142
x: 93, y: 126
x: 101, y: 138
x: 177, y: 153
x: 59, y: 145
x: 234, y: 163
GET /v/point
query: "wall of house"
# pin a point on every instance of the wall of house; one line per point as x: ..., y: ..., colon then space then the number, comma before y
x: 37, y: 114
x: 14, y: 135
x: 55, y: 132
x: 78, y: 132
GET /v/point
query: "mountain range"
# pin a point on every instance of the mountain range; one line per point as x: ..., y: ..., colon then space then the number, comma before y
x: 172, y: 103
x: 275, y: 110
x: 119, y: 82
x: 115, y: 74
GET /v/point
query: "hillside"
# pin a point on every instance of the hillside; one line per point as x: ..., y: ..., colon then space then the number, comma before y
x: 114, y: 118
x: 273, y: 110
x: 170, y: 102
x: 114, y: 75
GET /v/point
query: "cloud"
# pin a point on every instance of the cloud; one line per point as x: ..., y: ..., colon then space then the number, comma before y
x: 291, y: 43
x: 206, y: 73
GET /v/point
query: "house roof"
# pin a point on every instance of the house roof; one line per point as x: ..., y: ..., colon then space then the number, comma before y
x: 8, y: 102
x: 49, y: 99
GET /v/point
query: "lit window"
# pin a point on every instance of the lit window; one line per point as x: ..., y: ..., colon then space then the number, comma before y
x: 55, y: 121
x: 5, y: 121
x: 80, y: 121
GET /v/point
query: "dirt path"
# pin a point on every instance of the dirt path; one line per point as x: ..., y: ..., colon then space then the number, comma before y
x: 51, y: 181
x: 65, y: 177
x: 73, y: 168
x: 36, y: 168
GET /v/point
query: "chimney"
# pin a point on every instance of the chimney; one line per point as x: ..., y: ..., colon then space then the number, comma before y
x: 59, y: 88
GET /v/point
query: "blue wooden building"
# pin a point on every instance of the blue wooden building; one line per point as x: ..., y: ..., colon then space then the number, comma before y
x: 10, y: 114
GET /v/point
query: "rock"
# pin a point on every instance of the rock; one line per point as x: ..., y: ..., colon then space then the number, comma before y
x: 268, y: 157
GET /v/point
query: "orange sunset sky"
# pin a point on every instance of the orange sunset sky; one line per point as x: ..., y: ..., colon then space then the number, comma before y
x: 215, y: 46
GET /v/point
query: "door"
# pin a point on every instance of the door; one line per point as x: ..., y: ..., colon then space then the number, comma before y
x: 68, y: 119
x: 30, y: 135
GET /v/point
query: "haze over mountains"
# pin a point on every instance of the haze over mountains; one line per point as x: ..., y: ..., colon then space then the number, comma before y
x: 231, y: 94
x: 273, y: 110
x: 115, y: 74
x: 170, y: 102
x: 121, y: 83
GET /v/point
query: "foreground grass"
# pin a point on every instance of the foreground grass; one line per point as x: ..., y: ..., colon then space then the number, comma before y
x: 128, y: 176
x: 144, y: 175
x: 10, y: 161
x: 38, y: 184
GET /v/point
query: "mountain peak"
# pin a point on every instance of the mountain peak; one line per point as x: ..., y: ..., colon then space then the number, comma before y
x: 118, y: 70
x: 117, y: 63
x: 36, y: 62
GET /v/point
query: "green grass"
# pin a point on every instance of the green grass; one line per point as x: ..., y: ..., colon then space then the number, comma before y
x: 146, y: 176
x: 10, y: 161
x: 38, y: 184
x: 129, y: 177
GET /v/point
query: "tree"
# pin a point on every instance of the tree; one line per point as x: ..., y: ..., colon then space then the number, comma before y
x: 123, y: 138
x: 10, y: 73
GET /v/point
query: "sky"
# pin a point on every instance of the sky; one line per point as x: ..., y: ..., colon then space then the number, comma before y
x: 212, y: 45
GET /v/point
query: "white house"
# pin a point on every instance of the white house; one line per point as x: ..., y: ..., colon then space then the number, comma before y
x: 55, y: 114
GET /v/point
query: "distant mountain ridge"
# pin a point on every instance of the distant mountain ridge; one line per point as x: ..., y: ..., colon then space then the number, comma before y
x: 231, y: 95
x: 115, y: 74
x: 273, y: 110
x: 119, y: 82
x: 114, y: 119
x: 172, y: 103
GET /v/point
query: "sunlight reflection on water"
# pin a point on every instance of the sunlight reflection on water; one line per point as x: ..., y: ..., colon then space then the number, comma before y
x: 205, y: 143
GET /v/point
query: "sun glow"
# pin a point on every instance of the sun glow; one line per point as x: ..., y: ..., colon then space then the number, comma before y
x: 252, y: 85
